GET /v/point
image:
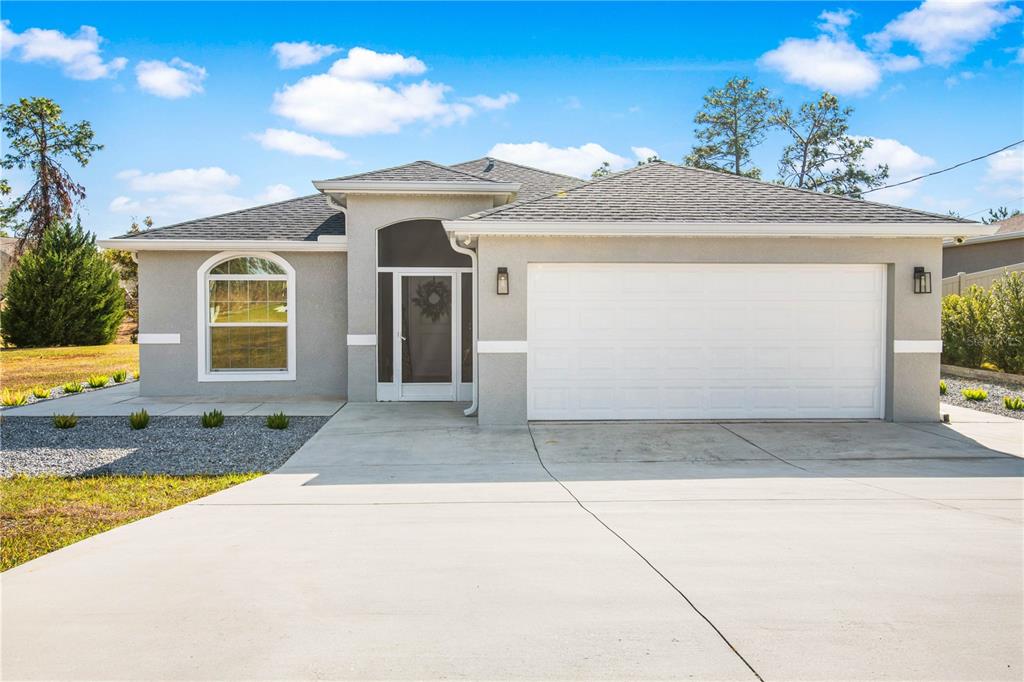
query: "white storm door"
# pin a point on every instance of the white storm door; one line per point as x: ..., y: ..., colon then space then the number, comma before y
x: 426, y: 333
x: 705, y: 341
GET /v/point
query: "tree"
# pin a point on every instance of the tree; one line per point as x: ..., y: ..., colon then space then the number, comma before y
x: 996, y: 215
x: 601, y: 171
x: 128, y: 270
x: 63, y: 293
x: 38, y: 138
x: 821, y: 155
x: 733, y: 120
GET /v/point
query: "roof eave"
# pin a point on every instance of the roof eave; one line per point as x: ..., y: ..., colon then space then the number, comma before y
x: 416, y: 187
x: 325, y: 243
x: 985, y: 239
x: 690, y: 229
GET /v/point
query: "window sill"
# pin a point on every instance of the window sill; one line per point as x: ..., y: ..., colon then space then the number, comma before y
x: 246, y: 376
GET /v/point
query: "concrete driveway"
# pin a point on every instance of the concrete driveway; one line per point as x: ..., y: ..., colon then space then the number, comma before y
x: 404, y: 542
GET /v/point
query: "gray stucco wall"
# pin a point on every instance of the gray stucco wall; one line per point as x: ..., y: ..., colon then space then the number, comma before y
x: 912, y: 378
x: 982, y: 256
x: 167, y: 305
x: 366, y: 213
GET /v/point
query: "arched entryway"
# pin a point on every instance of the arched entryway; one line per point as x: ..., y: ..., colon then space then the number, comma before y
x: 424, y: 314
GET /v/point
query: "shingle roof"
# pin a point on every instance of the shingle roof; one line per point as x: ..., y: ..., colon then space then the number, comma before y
x: 1012, y: 224
x: 417, y: 171
x: 533, y: 182
x: 664, y: 192
x: 301, y: 219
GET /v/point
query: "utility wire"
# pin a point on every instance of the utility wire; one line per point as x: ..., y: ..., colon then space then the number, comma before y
x: 928, y: 175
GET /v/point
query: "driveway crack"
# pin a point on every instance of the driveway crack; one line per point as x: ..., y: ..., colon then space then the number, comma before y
x: 647, y: 561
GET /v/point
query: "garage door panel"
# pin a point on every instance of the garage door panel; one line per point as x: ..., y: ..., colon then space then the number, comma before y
x: 641, y: 341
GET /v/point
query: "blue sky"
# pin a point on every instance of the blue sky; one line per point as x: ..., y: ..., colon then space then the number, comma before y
x: 200, y: 113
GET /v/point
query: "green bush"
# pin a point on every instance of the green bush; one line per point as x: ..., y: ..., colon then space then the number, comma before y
x: 942, y: 387
x: 11, y: 398
x: 212, y: 419
x: 1012, y: 402
x: 974, y: 394
x: 41, y: 393
x: 1007, y: 347
x: 986, y: 328
x: 65, y: 421
x: 966, y: 326
x: 72, y: 387
x: 119, y: 375
x: 138, y: 420
x: 277, y: 420
x: 63, y: 293
x: 98, y: 380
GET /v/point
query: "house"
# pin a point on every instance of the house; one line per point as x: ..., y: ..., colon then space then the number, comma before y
x: 980, y: 260
x: 662, y: 292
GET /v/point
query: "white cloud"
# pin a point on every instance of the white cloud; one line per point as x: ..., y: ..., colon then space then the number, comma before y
x: 836, y: 22
x: 291, y: 142
x: 644, y: 153
x: 579, y: 161
x: 350, y: 99
x: 172, y: 80
x: 188, y: 193
x: 294, y: 55
x: 944, y: 31
x: 78, y: 54
x: 904, y: 163
x: 363, y: 64
x: 954, y: 80
x: 1004, y: 175
x: 493, y: 103
x: 827, y: 62
x: 1019, y: 59
x: 899, y: 64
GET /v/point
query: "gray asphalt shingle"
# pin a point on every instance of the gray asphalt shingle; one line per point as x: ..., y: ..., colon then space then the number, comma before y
x: 534, y: 182
x: 417, y: 171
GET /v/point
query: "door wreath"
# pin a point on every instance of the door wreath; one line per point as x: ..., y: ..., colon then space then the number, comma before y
x: 434, y: 299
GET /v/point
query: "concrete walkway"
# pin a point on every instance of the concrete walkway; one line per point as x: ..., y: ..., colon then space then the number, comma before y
x: 403, y: 542
x: 117, y: 401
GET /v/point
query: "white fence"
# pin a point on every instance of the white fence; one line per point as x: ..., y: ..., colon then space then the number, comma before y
x: 962, y: 281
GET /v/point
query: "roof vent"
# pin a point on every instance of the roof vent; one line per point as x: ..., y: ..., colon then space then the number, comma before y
x: 489, y: 167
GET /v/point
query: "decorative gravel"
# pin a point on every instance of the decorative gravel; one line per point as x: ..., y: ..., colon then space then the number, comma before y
x: 170, y: 445
x: 993, y: 405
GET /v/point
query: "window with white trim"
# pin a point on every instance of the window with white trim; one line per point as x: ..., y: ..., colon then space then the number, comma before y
x: 249, y: 325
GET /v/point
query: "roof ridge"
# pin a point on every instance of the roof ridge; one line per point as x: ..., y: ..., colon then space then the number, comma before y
x: 519, y: 165
x: 734, y: 176
x: 585, y: 183
x: 221, y: 215
x: 455, y: 170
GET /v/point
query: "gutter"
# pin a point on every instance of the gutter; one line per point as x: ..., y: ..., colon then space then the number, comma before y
x: 475, y: 405
x: 326, y: 243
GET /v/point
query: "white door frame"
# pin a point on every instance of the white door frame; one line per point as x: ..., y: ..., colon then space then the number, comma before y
x: 397, y: 389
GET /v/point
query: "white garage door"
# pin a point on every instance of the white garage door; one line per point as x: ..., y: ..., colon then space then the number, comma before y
x: 674, y: 341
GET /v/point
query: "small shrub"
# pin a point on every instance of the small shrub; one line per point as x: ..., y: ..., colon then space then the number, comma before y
x: 212, y: 419
x: 942, y: 388
x: 977, y: 394
x: 1012, y: 402
x: 11, y: 398
x: 277, y: 420
x: 65, y: 421
x: 119, y: 375
x: 138, y: 420
x: 41, y: 393
x: 72, y: 387
x: 98, y: 380
x: 138, y: 375
x: 990, y: 367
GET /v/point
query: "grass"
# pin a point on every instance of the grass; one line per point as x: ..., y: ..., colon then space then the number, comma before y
x: 25, y: 368
x: 40, y: 514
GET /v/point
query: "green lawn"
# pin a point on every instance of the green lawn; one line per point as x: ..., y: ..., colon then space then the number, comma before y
x: 23, y: 368
x: 42, y: 513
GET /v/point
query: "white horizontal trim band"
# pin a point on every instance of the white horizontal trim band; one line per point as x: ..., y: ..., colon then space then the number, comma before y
x: 416, y: 187
x: 917, y: 346
x: 469, y: 228
x: 501, y: 346
x: 159, y: 338
x: 362, y: 339
x: 137, y: 244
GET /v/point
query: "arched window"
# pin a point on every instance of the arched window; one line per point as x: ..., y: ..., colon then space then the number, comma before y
x: 246, y: 324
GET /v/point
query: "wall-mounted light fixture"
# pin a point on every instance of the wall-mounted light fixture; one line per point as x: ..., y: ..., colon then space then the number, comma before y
x: 503, y: 281
x: 922, y: 281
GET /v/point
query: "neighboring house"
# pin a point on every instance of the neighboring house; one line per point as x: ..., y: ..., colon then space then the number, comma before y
x: 662, y: 292
x: 985, y: 258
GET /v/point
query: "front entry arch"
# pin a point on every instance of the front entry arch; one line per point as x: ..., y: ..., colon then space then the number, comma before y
x: 424, y: 315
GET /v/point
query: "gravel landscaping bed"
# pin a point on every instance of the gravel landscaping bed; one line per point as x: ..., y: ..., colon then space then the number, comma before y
x: 993, y: 405
x: 170, y: 445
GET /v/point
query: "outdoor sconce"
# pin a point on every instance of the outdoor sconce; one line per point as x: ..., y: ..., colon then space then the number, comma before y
x: 922, y: 281
x: 503, y: 281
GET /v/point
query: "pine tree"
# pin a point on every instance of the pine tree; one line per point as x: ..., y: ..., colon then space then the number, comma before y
x: 733, y: 120
x: 62, y: 293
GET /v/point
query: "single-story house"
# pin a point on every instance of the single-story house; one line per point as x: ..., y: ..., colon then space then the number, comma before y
x: 980, y: 260
x: 661, y: 292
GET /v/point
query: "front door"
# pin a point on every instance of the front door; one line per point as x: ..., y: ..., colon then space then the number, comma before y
x: 426, y: 331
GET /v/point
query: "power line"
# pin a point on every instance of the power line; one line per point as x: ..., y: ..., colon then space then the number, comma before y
x: 928, y: 175
x: 982, y: 210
